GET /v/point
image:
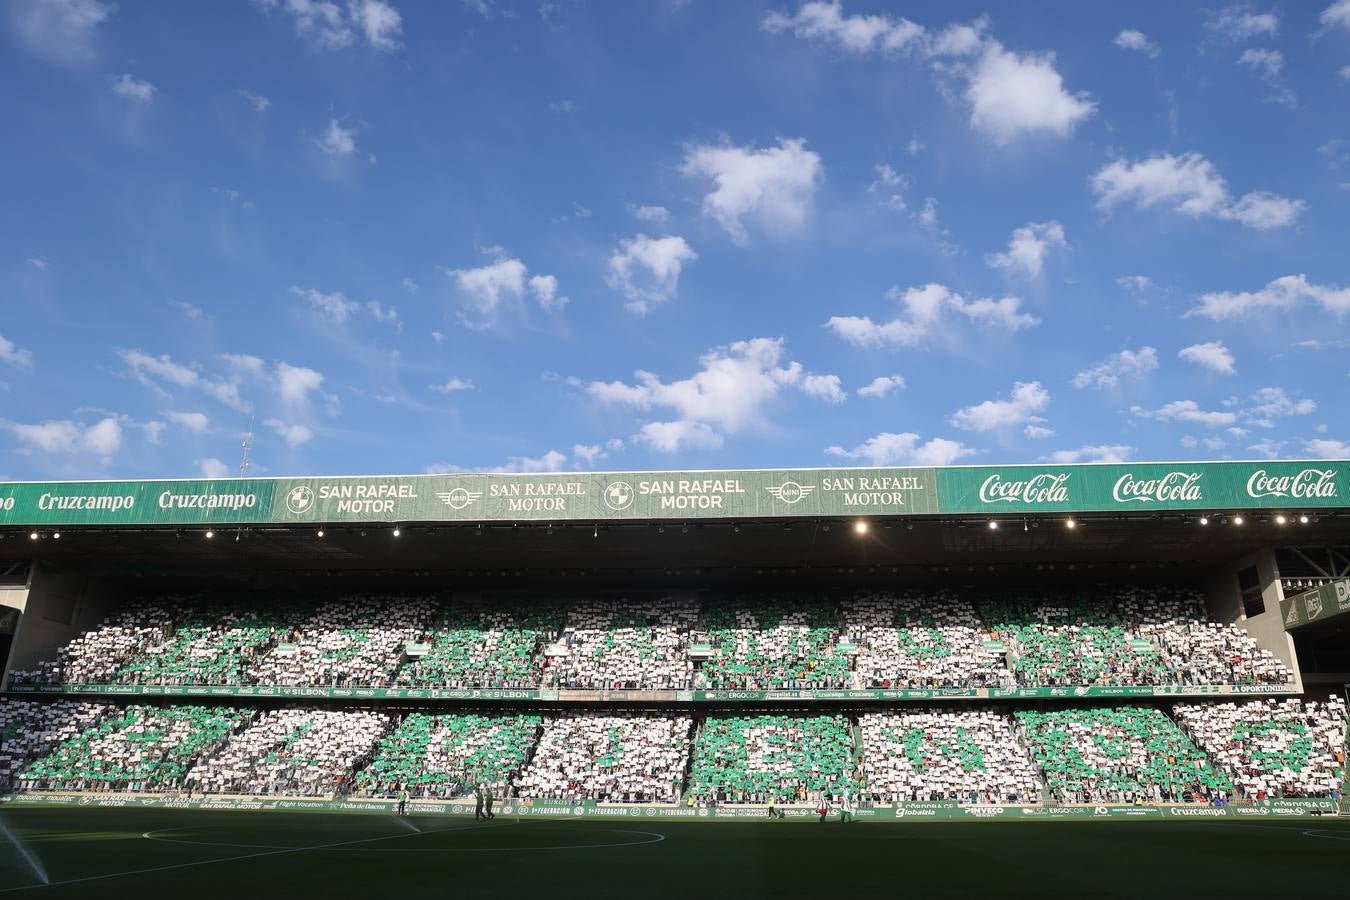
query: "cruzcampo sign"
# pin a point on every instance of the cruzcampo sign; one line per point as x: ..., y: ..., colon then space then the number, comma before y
x: 627, y: 496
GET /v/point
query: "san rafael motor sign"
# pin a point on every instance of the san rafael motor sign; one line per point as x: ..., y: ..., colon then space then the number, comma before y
x: 731, y: 495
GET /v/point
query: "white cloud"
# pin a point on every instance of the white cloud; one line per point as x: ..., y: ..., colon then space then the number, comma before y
x: 1337, y: 13
x: 1212, y: 355
x: 156, y: 371
x: 882, y: 385
x: 257, y: 101
x: 1137, y: 283
x: 243, y: 362
x: 14, y: 356
x: 379, y: 22
x: 1028, y: 247
x: 60, y: 31
x: 1281, y: 294
x: 824, y: 387
x: 486, y: 286
x: 1324, y: 448
x: 670, y: 437
x: 145, y: 368
x: 826, y: 22
x: 1272, y: 403
x: 102, y: 438
x: 293, y: 435
x: 1189, y: 184
x: 334, y: 26
x: 928, y: 216
x: 1345, y: 76
x: 1028, y: 398
x: 1036, y: 432
x: 337, y: 139
x: 1011, y: 96
x: 1129, y: 39
x: 195, y: 422
x: 562, y: 107
x: 647, y: 270
x: 925, y: 310
x: 545, y: 290
x: 387, y: 314
x: 335, y: 306
x: 728, y: 394
x: 1241, y: 22
x: 1268, y: 448
x: 1186, y: 411
x: 213, y: 468
x: 294, y: 383
x: 889, y: 185
x: 129, y: 88
x: 1268, y: 63
x: 1125, y: 364
x: 891, y: 449
x: 774, y: 186
x: 590, y: 454
x: 552, y: 461
x: 454, y: 385
x: 657, y: 214
x: 39, y: 263
x: 1098, y: 453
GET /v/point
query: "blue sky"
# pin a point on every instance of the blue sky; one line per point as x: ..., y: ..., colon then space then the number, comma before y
x: 408, y: 237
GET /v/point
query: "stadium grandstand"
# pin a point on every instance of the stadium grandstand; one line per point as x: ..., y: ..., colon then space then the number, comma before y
x: 892, y: 645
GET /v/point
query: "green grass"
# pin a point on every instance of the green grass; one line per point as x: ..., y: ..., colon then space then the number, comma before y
x: 246, y: 856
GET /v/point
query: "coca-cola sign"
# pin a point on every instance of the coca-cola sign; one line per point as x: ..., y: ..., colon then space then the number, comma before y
x: 1038, y: 489
x: 1174, y: 487
x: 1309, y: 484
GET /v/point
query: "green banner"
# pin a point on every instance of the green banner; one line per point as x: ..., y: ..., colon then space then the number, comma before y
x: 1331, y: 599
x: 941, y: 810
x: 1147, y: 487
x: 573, y: 696
x: 624, y: 496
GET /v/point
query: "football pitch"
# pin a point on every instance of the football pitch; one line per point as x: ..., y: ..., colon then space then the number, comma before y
x: 54, y: 853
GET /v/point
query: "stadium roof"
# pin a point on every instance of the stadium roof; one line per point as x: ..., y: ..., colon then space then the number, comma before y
x: 1126, y: 489
x: 977, y: 523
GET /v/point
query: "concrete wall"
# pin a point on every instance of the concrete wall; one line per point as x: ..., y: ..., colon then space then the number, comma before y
x: 58, y: 608
x: 1224, y: 600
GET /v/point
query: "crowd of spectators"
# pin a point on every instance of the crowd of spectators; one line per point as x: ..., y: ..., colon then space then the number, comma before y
x: 1273, y: 748
x: 779, y: 758
x: 923, y: 755
x: 1118, y: 755
x: 291, y: 752
x: 915, y: 641
x: 625, y: 644
x: 618, y: 758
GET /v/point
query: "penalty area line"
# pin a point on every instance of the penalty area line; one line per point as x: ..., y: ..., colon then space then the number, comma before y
x: 219, y: 859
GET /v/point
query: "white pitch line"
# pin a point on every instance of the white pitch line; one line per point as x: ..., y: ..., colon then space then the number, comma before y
x: 207, y: 862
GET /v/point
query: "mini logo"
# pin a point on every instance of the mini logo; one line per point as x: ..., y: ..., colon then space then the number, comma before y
x: 299, y: 499
x: 579, y: 811
x: 1343, y: 594
x: 1308, y: 484
x: 703, y: 812
x: 619, y: 495
x: 1100, y: 811
x: 458, y: 498
x: 1172, y: 487
x: 1313, y: 605
x: 1081, y: 691
x: 1043, y: 488
x: 790, y: 491
x: 1292, y: 617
